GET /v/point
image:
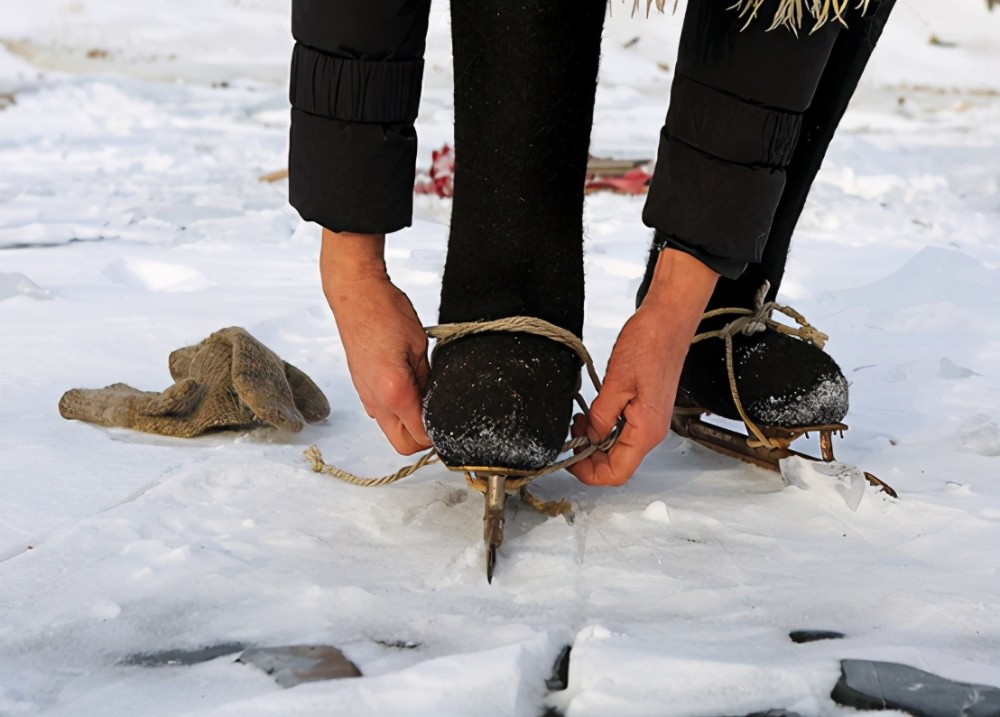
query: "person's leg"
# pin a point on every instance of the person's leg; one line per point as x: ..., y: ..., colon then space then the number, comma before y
x: 735, y: 116
x: 751, y: 114
x: 525, y: 79
x: 850, y: 55
x: 783, y: 381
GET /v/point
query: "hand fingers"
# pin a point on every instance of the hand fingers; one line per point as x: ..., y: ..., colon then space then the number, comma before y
x: 410, y: 408
x: 584, y: 470
x: 411, y: 417
x: 604, y: 413
x: 399, y: 436
x: 615, y: 467
x: 607, y: 408
x: 641, y: 433
x: 400, y: 415
x: 421, y: 371
x: 578, y: 429
x: 624, y: 457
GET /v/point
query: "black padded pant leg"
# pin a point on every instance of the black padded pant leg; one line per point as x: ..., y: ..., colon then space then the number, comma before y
x: 735, y: 117
x: 525, y: 79
x: 356, y: 74
x: 847, y: 63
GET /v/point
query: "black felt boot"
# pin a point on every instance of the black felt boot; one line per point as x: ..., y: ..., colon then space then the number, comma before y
x: 783, y: 382
x: 525, y: 77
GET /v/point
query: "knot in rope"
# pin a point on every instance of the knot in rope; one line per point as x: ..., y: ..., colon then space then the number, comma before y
x: 747, y: 323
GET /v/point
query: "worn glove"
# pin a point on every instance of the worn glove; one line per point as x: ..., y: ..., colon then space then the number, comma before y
x: 229, y: 380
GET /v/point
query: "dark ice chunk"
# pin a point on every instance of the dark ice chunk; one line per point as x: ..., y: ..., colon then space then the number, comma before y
x: 183, y: 658
x: 887, y: 685
x: 559, y: 680
x: 800, y: 636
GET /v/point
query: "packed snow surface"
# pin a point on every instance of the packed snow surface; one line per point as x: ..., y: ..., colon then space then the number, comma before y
x: 132, y: 223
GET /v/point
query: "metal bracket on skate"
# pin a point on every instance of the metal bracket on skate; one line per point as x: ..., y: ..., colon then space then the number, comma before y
x: 687, y: 422
x: 497, y: 483
x: 493, y: 520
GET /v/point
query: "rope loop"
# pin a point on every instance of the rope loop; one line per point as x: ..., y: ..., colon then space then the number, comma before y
x: 444, y: 333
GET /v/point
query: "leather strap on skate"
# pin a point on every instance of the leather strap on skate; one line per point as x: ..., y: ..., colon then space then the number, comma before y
x: 517, y: 480
x: 753, y: 321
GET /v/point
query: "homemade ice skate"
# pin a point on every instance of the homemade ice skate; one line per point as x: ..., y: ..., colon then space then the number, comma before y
x: 496, y: 483
x: 774, y: 352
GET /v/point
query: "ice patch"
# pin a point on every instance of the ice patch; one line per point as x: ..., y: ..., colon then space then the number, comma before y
x: 951, y: 370
x: 657, y: 512
x: 17, y: 284
x: 156, y: 275
x: 177, y: 658
x: 980, y: 435
x: 848, y: 481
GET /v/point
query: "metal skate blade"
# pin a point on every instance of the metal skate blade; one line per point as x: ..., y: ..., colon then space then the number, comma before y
x: 493, y: 519
x: 491, y: 561
x: 688, y: 424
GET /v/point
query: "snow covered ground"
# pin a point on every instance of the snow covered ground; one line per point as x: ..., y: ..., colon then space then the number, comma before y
x: 132, y: 223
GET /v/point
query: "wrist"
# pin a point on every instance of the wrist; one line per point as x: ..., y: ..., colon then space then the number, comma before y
x: 349, y: 256
x: 681, y: 284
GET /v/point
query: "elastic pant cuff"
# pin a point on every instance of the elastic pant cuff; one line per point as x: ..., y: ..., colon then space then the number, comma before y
x: 384, y: 92
x: 727, y: 268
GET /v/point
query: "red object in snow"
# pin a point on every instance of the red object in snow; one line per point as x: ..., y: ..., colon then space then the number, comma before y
x: 439, y: 179
x: 634, y: 181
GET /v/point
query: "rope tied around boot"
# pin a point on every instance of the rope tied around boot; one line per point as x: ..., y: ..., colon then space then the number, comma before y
x: 753, y: 321
x: 518, y: 480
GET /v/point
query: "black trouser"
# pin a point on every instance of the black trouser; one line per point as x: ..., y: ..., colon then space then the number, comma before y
x: 736, y: 108
x: 750, y: 119
x: 525, y: 79
x: 849, y: 57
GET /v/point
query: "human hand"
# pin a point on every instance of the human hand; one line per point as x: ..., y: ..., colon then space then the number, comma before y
x: 383, y: 339
x: 645, y: 366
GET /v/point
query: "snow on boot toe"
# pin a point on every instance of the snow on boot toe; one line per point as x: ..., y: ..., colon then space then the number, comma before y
x: 782, y: 381
x: 501, y: 400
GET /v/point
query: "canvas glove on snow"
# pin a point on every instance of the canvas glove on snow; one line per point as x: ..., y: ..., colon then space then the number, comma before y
x: 229, y: 380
